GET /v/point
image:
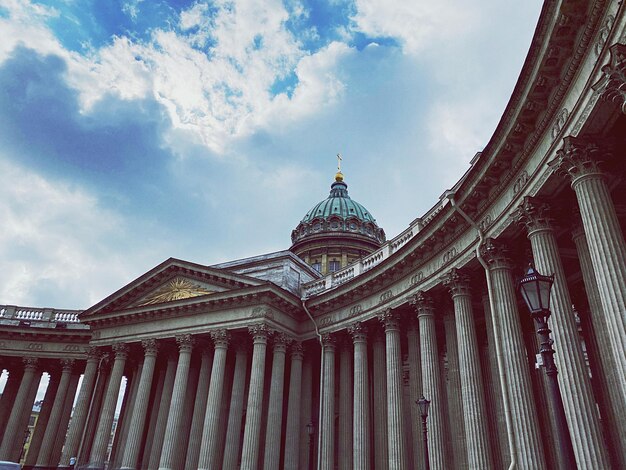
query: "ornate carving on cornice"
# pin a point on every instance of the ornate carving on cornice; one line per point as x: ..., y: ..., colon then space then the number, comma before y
x: 358, y: 331
x: 261, y: 312
x: 423, y: 303
x: 389, y: 319
x: 457, y: 282
x: 220, y: 338
x: 120, y: 350
x: 150, y: 347
x: 185, y: 342
x: 578, y: 157
x: 496, y: 254
x: 559, y: 123
x: 612, y: 85
x: 533, y: 213
x: 603, y: 34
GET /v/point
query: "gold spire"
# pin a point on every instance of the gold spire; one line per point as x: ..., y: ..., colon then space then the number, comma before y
x: 339, y: 174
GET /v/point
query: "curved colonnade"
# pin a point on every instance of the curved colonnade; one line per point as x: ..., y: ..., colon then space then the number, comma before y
x: 234, y: 376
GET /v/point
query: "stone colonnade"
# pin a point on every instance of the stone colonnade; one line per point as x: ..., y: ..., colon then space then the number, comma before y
x: 250, y: 398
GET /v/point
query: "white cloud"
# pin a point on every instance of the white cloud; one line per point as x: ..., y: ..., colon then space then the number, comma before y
x: 414, y: 23
x: 53, y: 240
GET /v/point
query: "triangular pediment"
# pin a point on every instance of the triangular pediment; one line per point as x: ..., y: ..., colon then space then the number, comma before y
x: 171, y: 281
x: 177, y: 288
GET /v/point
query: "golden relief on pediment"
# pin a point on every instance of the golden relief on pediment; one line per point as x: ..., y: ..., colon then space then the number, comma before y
x: 176, y: 289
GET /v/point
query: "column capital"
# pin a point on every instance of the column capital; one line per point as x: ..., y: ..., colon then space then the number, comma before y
x: 259, y: 332
x: 297, y: 350
x: 497, y: 254
x: 389, y: 319
x: 120, y: 350
x: 220, y: 338
x: 94, y: 353
x: 423, y: 304
x: 281, y: 341
x: 67, y: 365
x: 329, y: 341
x: 579, y: 157
x: 358, y: 331
x: 150, y: 347
x: 457, y: 282
x: 534, y: 214
x: 612, y: 85
x: 185, y: 342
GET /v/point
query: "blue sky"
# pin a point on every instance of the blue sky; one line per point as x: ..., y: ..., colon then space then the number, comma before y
x: 132, y: 131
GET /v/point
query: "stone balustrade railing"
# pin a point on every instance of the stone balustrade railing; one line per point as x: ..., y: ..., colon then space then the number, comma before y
x: 39, y: 315
x: 366, y: 263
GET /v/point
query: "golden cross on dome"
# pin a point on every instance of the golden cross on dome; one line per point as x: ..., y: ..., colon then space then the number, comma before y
x: 339, y: 158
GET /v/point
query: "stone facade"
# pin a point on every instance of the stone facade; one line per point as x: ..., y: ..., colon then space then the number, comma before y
x: 264, y: 363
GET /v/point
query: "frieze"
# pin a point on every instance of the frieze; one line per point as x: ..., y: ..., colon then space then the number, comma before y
x: 261, y: 312
x: 416, y: 278
x: 603, y: 34
x: 385, y: 296
x: 449, y: 255
x: 355, y: 310
x: 520, y: 182
x: 560, y: 122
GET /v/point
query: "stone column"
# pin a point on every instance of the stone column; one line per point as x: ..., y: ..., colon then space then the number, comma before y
x: 103, y: 432
x: 518, y: 386
x: 52, y: 428
x: 345, y: 406
x: 34, y: 445
x: 87, y: 434
x: 361, y: 409
x: 580, y: 160
x: 395, y: 422
x: 498, y: 425
x: 292, y: 436
x: 606, y: 374
x: 210, y: 433
x: 574, y: 382
x: 199, y: 409
x: 175, y: 415
x: 13, y: 430
x: 8, y: 396
x: 452, y: 389
x: 79, y: 418
x: 431, y: 380
x: 235, y: 414
x: 474, y: 409
x: 65, y: 417
x: 327, y: 400
x: 275, y: 407
x: 138, y: 419
x: 158, y: 436
x: 306, y: 405
x: 415, y: 392
x: 252, y: 429
x: 379, y: 371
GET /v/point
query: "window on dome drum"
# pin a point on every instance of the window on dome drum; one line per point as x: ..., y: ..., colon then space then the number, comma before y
x: 317, y: 266
x: 334, y: 266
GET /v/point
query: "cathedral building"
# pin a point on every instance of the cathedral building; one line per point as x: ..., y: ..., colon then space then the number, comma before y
x: 316, y: 357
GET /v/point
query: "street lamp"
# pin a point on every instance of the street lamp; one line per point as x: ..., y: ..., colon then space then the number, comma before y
x: 535, y: 290
x: 423, y: 406
x: 310, y: 430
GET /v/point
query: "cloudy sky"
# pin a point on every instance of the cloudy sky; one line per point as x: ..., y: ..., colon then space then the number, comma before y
x: 132, y: 131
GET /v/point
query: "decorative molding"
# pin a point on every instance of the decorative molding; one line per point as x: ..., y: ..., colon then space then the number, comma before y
x: 150, y: 346
x: 534, y: 213
x: 220, y: 338
x: 559, y: 123
x: 612, y: 85
x: 457, y: 282
x: 603, y: 34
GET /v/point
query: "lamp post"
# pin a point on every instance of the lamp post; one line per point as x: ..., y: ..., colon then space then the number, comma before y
x: 423, y: 406
x: 310, y: 429
x: 535, y: 290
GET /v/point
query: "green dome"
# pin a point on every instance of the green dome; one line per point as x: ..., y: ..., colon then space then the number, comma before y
x: 338, y: 215
x: 339, y: 204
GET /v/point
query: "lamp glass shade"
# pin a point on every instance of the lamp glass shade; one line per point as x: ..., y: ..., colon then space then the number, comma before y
x: 535, y: 289
x: 423, y: 404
